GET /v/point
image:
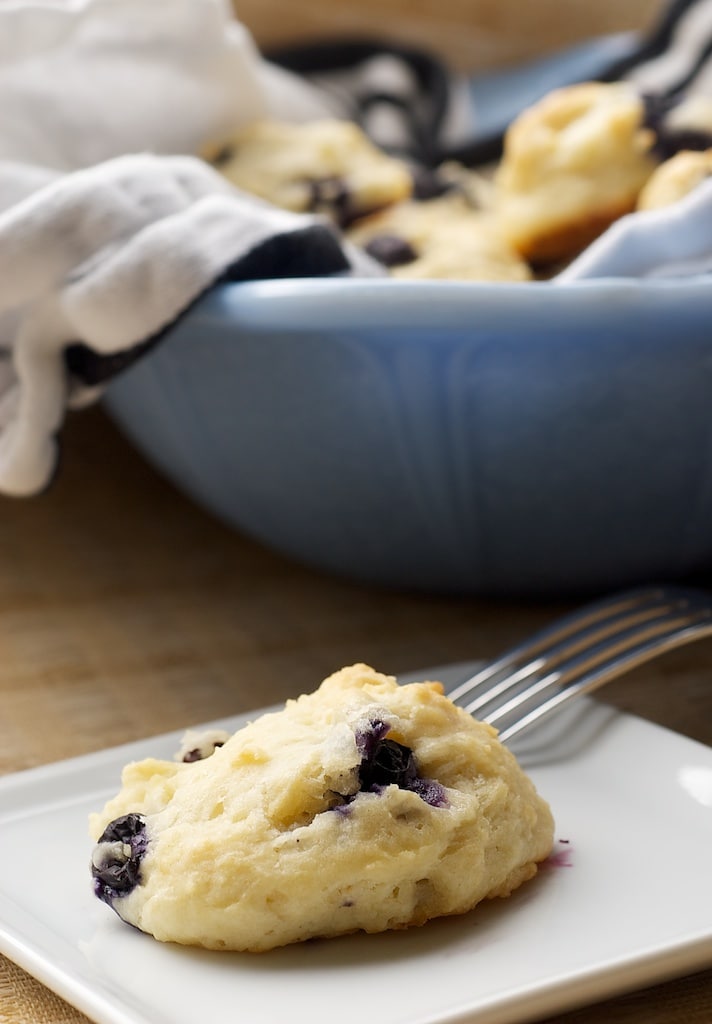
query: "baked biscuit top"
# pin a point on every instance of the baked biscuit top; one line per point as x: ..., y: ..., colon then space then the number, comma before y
x: 325, y: 166
x: 572, y: 163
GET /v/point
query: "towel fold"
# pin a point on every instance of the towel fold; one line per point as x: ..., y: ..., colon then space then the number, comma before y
x: 108, y: 257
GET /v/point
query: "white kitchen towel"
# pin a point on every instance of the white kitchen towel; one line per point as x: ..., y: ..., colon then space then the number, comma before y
x: 85, y: 80
x: 103, y: 245
x: 100, y: 261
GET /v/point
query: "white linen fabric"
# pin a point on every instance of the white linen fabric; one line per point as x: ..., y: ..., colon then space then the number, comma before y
x: 110, y: 229
x: 104, y: 244
x: 113, y: 254
x: 85, y: 80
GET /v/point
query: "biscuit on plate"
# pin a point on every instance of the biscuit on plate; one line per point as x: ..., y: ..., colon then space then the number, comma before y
x: 572, y: 164
x: 362, y: 806
x: 440, y: 238
x: 675, y: 179
x: 325, y: 166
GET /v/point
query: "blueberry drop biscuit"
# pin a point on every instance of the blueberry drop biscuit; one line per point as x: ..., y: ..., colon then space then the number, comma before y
x: 572, y: 164
x: 362, y: 806
x: 440, y: 238
x: 325, y: 166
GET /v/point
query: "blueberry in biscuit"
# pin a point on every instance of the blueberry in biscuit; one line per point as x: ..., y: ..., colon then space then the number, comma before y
x: 324, y: 166
x: 444, y: 237
x: 116, y: 860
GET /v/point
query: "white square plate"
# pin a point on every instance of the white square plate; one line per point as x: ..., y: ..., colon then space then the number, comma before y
x: 625, y: 900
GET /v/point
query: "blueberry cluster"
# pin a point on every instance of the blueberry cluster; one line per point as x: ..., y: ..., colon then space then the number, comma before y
x: 385, y: 762
x: 116, y: 860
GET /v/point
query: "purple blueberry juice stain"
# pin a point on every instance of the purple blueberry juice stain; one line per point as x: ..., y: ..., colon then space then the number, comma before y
x: 562, y: 857
x: 117, y: 856
x: 430, y: 791
x: 344, y: 809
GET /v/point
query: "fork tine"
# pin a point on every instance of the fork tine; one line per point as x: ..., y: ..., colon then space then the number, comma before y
x: 586, y: 672
x: 621, y: 629
x: 579, y: 631
x: 551, y: 635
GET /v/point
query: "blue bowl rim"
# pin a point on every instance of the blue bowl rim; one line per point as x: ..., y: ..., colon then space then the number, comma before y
x: 337, y: 303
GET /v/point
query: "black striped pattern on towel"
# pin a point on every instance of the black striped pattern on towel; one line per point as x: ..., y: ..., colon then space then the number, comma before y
x: 414, y: 91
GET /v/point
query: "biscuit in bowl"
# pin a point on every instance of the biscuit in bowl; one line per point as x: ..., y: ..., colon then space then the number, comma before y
x: 572, y: 164
x: 363, y: 806
x: 325, y: 166
x: 675, y: 178
x: 440, y: 238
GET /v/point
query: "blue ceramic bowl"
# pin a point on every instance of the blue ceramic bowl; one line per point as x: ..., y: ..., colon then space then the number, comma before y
x: 463, y: 438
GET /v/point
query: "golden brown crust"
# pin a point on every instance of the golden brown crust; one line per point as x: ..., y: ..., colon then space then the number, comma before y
x: 675, y: 179
x: 564, y: 243
x: 572, y: 164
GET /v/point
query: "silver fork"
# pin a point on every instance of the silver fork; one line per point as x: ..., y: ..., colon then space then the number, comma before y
x: 581, y: 652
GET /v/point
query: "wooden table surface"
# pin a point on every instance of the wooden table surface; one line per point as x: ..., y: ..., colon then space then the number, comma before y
x: 126, y: 611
